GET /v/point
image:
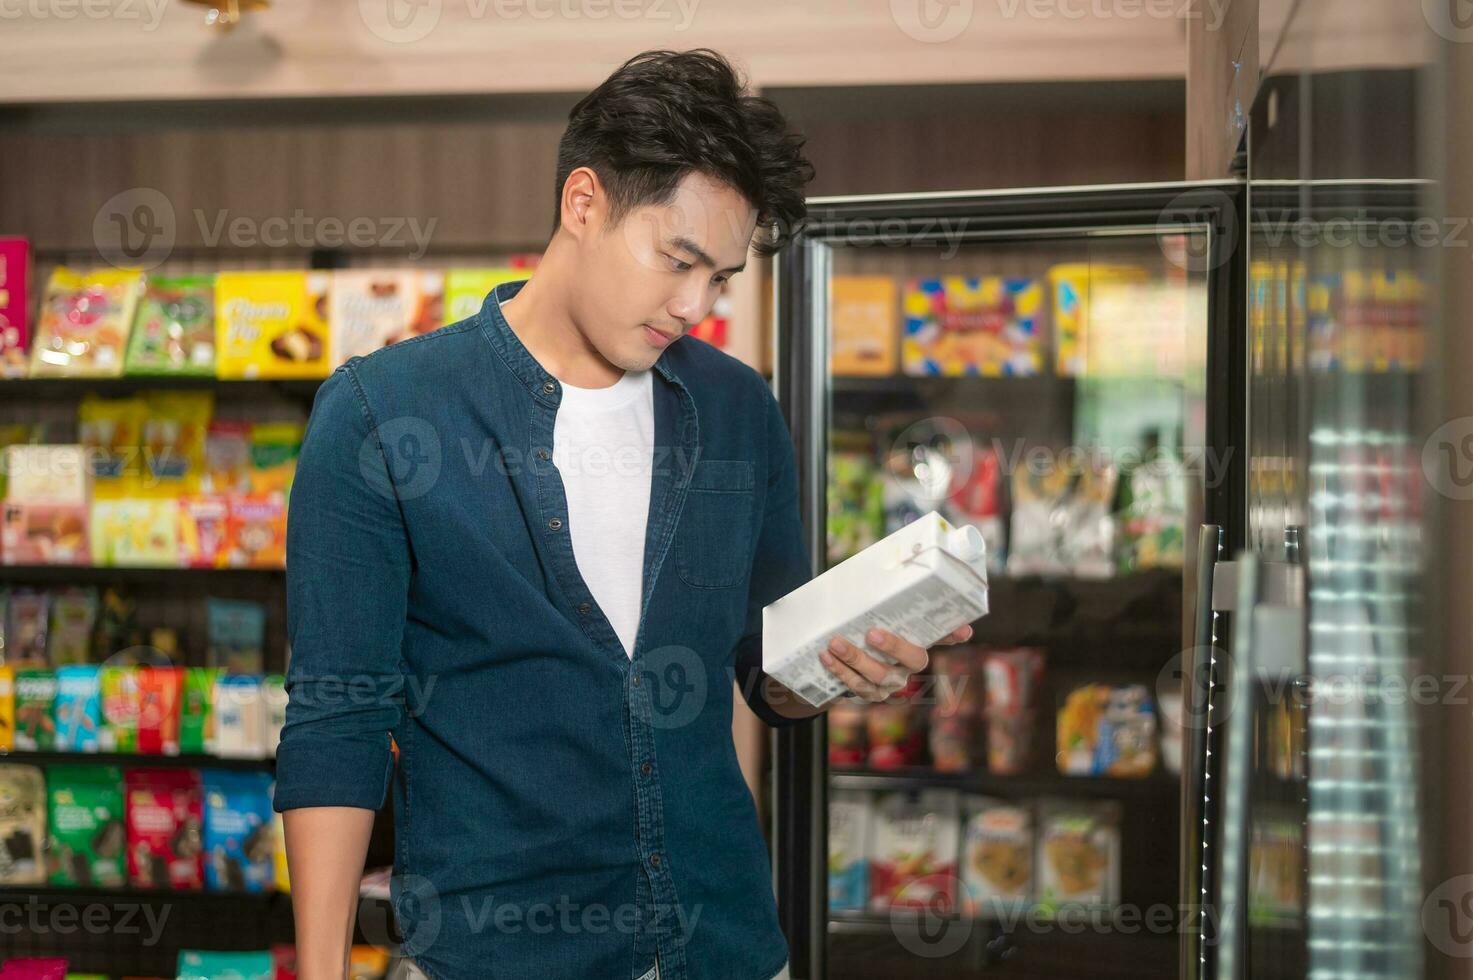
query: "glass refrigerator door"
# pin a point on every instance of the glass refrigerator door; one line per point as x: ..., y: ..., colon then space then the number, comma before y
x: 1039, y: 366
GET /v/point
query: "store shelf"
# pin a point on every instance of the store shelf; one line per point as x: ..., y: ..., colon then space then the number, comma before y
x: 1158, y: 786
x: 133, y: 760
x: 72, y: 388
x: 899, y: 394
x: 42, y: 894
x: 102, y: 574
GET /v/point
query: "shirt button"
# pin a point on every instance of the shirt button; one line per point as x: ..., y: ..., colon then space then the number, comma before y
x: 555, y: 523
x: 543, y: 455
x: 584, y: 607
x: 548, y: 387
x: 646, y: 769
x: 654, y: 860
x: 636, y: 680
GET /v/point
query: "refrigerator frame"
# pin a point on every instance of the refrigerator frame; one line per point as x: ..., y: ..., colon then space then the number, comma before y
x: 800, y: 775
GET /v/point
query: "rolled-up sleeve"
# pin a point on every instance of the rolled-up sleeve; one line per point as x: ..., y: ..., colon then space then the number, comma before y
x: 781, y: 562
x: 348, y: 569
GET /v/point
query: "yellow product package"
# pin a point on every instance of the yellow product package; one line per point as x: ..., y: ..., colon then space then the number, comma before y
x: 136, y: 532
x: 7, y: 709
x: 109, y: 432
x: 84, y: 322
x: 272, y: 324
x: 274, y: 450
x: 173, y: 440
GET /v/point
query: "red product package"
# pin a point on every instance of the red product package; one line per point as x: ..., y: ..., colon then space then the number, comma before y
x: 165, y: 814
x: 897, y: 729
x: 15, y: 328
x: 158, y: 709
x: 33, y: 969
x: 284, y: 959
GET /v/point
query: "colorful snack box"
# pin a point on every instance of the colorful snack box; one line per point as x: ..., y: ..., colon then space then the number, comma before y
x: 85, y: 820
x: 255, y: 531
x: 7, y: 709
x: 73, y: 616
x: 1107, y: 731
x: 15, y: 324
x: 174, y: 329
x: 45, y: 509
x: 1078, y: 854
x: 236, y: 636
x: 119, y: 709
x: 466, y: 289
x: 282, y: 876
x: 913, y: 862
x: 227, y: 457
x: 165, y: 828
x: 110, y: 431
x: 271, y: 324
x: 35, y: 702
x: 172, y: 437
x: 136, y: 532
x: 865, y: 331
x: 211, y: 965
x: 849, y: 819
x: 997, y: 855
x: 78, y: 708
x: 240, y: 717
x: 22, y: 825
x: 962, y: 326
x: 1072, y: 286
x: 196, y: 710
x: 36, y: 968
x: 1013, y: 678
x: 955, y: 711
x: 274, y: 449
x: 273, y: 694
x: 84, y: 322
x: 240, y: 842
x: 848, y: 734
x: 159, y: 689
x: 897, y: 729
x: 373, y: 308
x: 27, y: 623
x: 203, y: 530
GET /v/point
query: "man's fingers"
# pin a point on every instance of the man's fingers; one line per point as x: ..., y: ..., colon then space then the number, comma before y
x: 959, y: 635
x: 910, y: 656
x: 851, y: 679
x: 860, y: 662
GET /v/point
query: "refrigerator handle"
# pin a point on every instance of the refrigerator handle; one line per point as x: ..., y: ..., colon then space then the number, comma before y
x: 1196, y: 675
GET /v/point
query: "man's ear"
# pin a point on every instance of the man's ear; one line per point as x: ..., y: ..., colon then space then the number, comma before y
x: 583, y: 202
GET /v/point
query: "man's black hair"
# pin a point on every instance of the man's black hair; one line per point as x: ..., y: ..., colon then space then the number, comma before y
x: 665, y: 114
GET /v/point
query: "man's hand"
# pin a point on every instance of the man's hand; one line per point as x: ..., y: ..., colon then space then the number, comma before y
x: 872, y: 678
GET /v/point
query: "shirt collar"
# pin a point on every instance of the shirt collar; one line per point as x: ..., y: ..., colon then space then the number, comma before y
x: 542, y: 385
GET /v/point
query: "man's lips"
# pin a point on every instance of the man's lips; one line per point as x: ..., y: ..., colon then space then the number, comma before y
x: 659, y: 337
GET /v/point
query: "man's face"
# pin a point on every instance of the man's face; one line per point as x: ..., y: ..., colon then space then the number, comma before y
x: 646, y: 281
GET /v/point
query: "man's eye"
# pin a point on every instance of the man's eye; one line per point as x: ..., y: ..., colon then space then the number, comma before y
x: 721, y: 280
x: 678, y: 265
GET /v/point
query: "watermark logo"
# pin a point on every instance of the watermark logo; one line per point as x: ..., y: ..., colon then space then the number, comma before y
x: 673, y: 679
x: 931, y: 459
x: 135, y: 229
x: 400, y: 21
x: 932, y: 21
x: 923, y: 918
x: 1447, y: 917
x: 1447, y: 459
x: 1181, y: 240
x: 1452, y: 20
x: 409, y: 465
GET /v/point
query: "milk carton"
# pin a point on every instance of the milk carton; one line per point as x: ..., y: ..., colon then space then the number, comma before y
x: 920, y: 583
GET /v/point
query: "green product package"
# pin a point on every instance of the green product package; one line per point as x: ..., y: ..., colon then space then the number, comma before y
x: 35, y: 718
x: 87, y: 835
x: 174, y: 328
x: 119, y: 709
x: 197, y: 710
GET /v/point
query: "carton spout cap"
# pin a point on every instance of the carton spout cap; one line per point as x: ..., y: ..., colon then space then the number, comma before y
x: 966, y: 543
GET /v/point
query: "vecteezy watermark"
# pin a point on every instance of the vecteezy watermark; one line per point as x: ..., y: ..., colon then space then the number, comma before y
x: 1452, y: 20
x: 669, y: 687
x: 407, y: 21
x: 1199, y: 230
x: 1447, y: 917
x: 36, y: 917
x: 1447, y: 459
x: 1361, y: 230
x: 138, y: 229
x: 400, y: 690
x: 148, y: 13
x: 1213, y: 12
x: 933, y: 21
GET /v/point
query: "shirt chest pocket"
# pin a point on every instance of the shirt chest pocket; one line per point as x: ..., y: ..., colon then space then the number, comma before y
x: 713, y: 545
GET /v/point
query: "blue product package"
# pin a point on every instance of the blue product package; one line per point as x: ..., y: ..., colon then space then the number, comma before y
x: 240, y: 840
x: 849, y: 814
x: 198, y: 964
x: 78, y: 710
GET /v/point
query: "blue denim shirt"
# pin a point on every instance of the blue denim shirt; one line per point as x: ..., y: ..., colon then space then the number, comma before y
x: 562, y: 810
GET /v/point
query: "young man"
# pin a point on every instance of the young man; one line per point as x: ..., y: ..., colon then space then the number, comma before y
x: 533, y: 547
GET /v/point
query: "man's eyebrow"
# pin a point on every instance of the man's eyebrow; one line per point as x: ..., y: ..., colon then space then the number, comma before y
x: 686, y: 244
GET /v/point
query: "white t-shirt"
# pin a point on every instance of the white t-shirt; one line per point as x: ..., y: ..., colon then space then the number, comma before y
x: 603, y: 443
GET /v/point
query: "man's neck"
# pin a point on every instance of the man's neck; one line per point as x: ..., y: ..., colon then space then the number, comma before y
x: 547, y: 329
